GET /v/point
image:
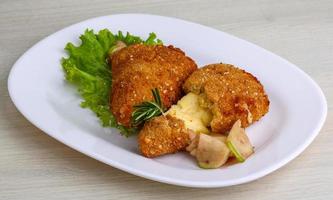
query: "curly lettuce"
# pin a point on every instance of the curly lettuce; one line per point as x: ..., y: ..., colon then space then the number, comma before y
x: 87, y: 68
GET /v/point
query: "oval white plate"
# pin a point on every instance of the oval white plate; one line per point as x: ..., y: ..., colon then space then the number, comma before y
x: 297, y: 111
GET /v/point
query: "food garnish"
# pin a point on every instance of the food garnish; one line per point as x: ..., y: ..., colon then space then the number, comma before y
x: 209, y: 151
x: 213, y: 150
x: 234, y: 152
x: 88, y: 69
x: 148, y: 109
x: 238, y: 142
x: 219, y: 155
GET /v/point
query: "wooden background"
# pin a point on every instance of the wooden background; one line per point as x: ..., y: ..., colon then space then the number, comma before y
x: 35, y: 166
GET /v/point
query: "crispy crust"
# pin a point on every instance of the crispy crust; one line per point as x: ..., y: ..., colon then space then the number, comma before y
x: 138, y: 69
x: 163, y: 135
x: 231, y: 93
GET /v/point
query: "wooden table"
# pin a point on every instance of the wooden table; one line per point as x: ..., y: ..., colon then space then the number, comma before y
x: 35, y: 166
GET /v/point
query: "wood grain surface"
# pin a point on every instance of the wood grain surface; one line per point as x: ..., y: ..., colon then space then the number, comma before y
x: 35, y: 166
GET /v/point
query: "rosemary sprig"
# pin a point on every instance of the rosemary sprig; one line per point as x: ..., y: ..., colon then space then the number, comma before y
x: 148, y: 109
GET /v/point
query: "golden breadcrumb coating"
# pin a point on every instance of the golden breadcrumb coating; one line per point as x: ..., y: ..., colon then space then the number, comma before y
x: 137, y: 69
x: 231, y: 93
x: 163, y: 135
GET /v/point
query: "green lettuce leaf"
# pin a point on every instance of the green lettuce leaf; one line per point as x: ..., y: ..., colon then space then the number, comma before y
x: 87, y: 68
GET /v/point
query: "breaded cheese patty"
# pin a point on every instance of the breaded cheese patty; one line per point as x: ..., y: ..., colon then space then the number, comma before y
x: 163, y: 135
x: 230, y: 93
x: 137, y: 69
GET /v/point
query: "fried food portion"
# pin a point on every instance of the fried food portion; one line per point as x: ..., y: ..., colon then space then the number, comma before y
x: 230, y: 93
x: 163, y: 135
x: 137, y: 69
x: 217, y: 96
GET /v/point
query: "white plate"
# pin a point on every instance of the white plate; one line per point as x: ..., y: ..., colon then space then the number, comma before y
x: 297, y: 110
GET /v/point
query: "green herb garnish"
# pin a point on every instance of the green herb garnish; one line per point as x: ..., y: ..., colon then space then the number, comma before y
x: 87, y: 68
x: 148, y: 109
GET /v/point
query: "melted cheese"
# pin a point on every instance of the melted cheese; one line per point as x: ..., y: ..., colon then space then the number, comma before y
x: 194, y: 116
